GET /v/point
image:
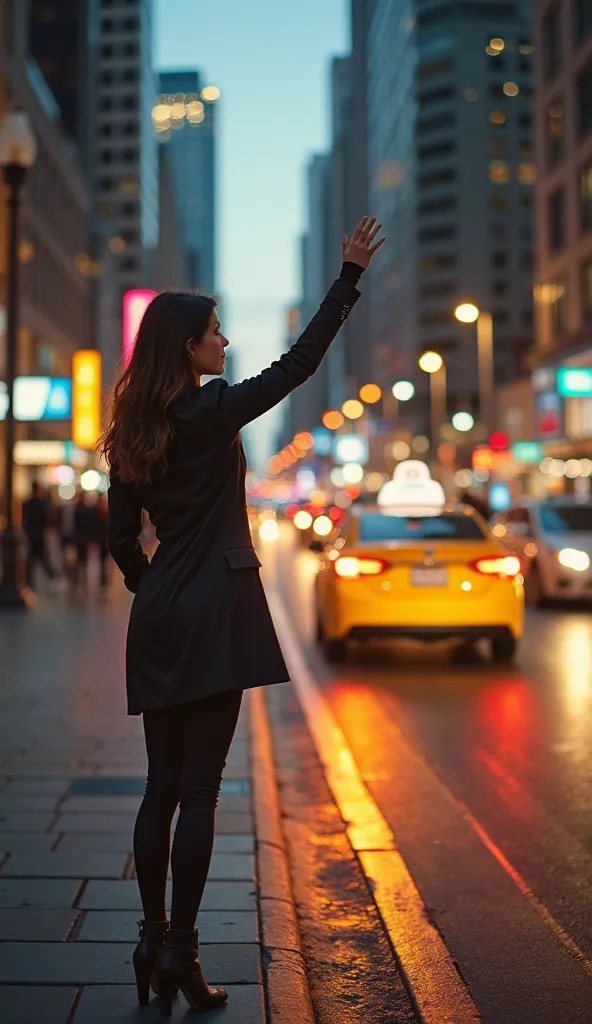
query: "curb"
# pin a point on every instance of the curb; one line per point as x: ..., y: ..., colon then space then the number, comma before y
x: 286, y: 982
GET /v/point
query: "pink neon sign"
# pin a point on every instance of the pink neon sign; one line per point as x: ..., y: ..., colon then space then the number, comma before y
x: 135, y: 303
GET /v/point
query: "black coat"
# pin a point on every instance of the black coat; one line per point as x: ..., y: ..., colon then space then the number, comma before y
x: 199, y: 623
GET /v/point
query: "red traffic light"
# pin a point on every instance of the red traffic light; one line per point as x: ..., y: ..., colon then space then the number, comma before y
x: 499, y: 441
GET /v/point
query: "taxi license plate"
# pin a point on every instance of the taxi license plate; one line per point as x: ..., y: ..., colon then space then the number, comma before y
x: 429, y: 577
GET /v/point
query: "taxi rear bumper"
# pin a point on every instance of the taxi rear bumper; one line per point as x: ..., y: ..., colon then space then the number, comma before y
x: 429, y: 633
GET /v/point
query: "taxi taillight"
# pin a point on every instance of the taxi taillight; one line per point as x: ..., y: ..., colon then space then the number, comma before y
x: 348, y: 567
x: 502, y: 566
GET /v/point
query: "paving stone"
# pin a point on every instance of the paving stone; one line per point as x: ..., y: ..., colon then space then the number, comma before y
x: 229, y: 823
x: 29, y: 822
x: 118, y: 1004
x: 43, y: 803
x: 77, y: 843
x: 23, y: 766
x: 65, y: 865
x: 94, y: 823
x: 87, y: 963
x: 36, y: 1004
x: 38, y: 892
x: 100, y: 805
x: 65, y: 963
x: 124, y: 895
x: 128, y: 785
x: 122, y: 926
x: 234, y: 844
x: 29, y: 925
x: 232, y: 866
x: 27, y: 842
x: 37, y: 787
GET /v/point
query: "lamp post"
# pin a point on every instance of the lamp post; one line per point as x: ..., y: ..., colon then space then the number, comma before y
x: 433, y: 364
x: 469, y: 313
x: 18, y: 150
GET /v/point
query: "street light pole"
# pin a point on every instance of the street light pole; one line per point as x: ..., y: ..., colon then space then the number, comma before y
x: 17, y: 153
x: 438, y: 404
x: 486, y: 377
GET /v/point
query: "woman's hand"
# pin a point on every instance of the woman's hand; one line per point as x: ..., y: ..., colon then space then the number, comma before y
x: 361, y: 247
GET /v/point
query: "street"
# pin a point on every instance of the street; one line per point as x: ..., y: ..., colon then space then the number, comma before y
x: 483, y: 776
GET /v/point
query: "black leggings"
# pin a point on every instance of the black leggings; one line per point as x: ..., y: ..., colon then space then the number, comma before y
x: 187, y: 748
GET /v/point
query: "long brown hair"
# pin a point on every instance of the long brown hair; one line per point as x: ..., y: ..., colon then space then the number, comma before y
x: 140, y: 431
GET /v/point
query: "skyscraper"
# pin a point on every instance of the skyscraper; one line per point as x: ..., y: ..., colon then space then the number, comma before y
x: 451, y: 167
x: 125, y: 185
x: 185, y: 121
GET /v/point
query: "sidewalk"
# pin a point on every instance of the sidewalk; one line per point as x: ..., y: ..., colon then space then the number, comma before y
x: 72, y: 772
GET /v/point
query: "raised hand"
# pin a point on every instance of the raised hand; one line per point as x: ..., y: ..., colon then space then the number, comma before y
x: 361, y: 247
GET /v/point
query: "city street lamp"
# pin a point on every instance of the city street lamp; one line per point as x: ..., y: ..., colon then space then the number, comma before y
x: 433, y: 364
x: 18, y: 150
x: 469, y: 313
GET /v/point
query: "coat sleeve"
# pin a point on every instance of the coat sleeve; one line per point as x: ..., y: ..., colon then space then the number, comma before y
x: 241, y: 403
x: 124, y: 527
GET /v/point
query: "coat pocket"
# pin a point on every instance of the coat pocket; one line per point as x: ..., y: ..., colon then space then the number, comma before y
x: 242, y: 558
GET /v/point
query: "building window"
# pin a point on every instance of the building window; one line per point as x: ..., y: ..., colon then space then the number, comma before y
x: 552, y: 44
x: 439, y: 234
x: 432, y: 124
x: 107, y: 25
x: 499, y: 172
x: 107, y: 103
x: 586, y: 198
x: 438, y: 288
x: 428, y: 264
x: 526, y: 259
x: 437, y: 205
x: 106, y: 130
x: 586, y: 291
x: 435, y: 319
x: 130, y: 75
x: 436, y: 96
x: 555, y: 133
x: 582, y: 20
x: 498, y: 202
x: 499, y: 259
x: 557, y: 221
x: 130, y: 49
x: 433, y: 68
x: 500, y: 287
x: 437, y: 178
x: 129, y: 128
x: 130, y: 102
x: 525, y: 121
x: 438, y: 149
x: 497, y: 147
x: 107, y: 77
x: 584, y: 100
x: 497, y: 117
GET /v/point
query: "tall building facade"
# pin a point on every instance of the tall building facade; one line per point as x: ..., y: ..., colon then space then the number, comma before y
x: 451, y: 173
x: 564, y: 156
x: 125, y: 183
x: 185, y: 122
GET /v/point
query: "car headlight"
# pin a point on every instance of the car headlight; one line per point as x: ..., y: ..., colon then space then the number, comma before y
x: 571, y: 558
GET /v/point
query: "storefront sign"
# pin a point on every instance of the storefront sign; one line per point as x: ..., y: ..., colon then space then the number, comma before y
x: 549, y: 415
x: 135, y: 304
x: 482, y: 459
x: 49, y: 453
x: 86, y: 398
x: 38, y: 398
x: 322, y: 440
x: 575, y: 381
x: 529, y: 452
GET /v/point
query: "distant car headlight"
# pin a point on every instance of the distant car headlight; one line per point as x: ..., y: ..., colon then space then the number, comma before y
x: 571, y: 558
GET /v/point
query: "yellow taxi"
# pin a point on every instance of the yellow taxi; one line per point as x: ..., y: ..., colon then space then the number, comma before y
x: 412, y: 566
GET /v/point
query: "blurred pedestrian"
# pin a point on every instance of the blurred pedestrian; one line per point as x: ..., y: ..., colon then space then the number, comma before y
x: 200, y: 630
x: 102, y: 542
x: 65, y: 528
x: 36, y: 522
x: 87, y: 531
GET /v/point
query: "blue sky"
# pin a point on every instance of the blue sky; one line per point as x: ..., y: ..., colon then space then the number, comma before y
x: 270, y: 60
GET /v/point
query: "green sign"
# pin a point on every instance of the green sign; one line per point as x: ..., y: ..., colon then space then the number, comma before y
x: 575, y: 381
x: 527, y: 451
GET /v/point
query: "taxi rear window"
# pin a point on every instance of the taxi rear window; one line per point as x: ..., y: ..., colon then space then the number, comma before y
x: 449, y: 526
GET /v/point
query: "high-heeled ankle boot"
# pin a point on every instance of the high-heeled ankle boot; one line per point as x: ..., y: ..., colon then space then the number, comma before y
x: 178, y: 966
x: 152, y: 935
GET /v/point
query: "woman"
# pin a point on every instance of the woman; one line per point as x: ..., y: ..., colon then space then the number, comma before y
x: 200, y: 631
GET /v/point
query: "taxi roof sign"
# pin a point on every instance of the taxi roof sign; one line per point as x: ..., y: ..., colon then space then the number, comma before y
x: 412, y: 491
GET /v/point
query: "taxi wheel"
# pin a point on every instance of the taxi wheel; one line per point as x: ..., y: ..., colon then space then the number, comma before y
x: 503, y: 648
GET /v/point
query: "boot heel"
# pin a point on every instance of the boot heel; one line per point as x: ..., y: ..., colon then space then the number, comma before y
x: 143, y: 983
x: 166, y: 994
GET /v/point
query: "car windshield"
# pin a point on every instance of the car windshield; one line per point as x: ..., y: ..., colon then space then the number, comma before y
x: 566, y: 518
x: 448, y: 526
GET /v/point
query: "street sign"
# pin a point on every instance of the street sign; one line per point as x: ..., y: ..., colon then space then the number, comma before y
x: 529, y: 452
x: 575, y: 381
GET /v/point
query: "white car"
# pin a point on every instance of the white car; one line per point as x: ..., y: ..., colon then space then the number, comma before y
x: 554, y: 542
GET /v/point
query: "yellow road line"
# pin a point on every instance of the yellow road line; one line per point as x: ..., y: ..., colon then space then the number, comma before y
x: 440, y: 995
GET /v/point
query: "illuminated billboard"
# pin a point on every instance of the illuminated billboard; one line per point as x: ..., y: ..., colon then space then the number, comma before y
x: 86, y: 398
x: 135, y: 303
x: 38, y: 398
